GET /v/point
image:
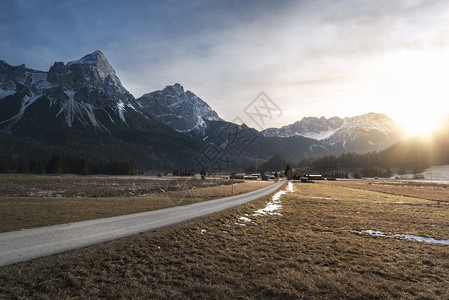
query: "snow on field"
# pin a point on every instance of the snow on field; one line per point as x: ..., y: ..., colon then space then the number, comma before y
x: 245, y: 219
x: 272, y: 206
x: 275, y: 204
x: 139, y: 177
x: 404, y: 236
x: 422, y: 239
x: 437, y: 173
x: 374, y: 233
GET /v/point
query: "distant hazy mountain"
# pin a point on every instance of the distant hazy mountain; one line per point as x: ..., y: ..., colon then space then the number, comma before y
x: 365, y: 133
x: 179, y: 109
x: 410, y: 155
x: 309, y: 127
x: 357, y: 134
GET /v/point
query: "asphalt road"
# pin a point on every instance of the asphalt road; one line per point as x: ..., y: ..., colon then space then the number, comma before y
x: 27, y: 244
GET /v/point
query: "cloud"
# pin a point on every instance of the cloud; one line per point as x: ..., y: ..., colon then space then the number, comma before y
x: 318, y: 81
x: 305, y: 53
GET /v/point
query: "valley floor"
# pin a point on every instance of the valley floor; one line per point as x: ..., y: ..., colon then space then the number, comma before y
x: 314, y: 241
x: 40, y: 200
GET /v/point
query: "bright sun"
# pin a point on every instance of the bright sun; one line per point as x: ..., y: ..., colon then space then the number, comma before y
x: 418, y: 89
x: 418, y: 124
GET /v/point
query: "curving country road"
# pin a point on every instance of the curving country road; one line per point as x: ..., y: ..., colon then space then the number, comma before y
x: 27, y: 244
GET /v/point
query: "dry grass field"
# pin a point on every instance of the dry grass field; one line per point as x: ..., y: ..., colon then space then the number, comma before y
x: 318, y: 246
x: 30, y: 200
x: 417, y: 189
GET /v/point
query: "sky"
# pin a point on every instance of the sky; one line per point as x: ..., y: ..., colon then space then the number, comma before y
x: 310, y: 58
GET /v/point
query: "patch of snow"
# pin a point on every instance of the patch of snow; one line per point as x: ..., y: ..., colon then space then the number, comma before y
x: 374, y: 232
x: 89, y: 60
x: 27, y: 101
x: 290, y: 187
x: 199, y: 124
x: 271, y: 207
x: 321, y: 135
x: 404, y: 236
x: 274, y: 205
x: 131, y: 106
x: 165, y: 115
x: 121, y: 107
x: 6, y: 93
x: 422, y: 239
x: 39, y: 80
x: 110, y: 118
x: 70, y: 106
x: 437, y: 173
x: 245, y: 219
x: 90, y: 114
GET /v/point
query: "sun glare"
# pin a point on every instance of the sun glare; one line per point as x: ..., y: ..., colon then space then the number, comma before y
x: 415, y: 84
x: 418, y: 125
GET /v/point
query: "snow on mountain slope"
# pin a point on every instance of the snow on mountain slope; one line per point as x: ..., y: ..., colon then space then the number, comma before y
x: 366, y: 133
x: 179, y: 109
x: 84, y: 90
x: 363, y: 133
x: 310, y: 127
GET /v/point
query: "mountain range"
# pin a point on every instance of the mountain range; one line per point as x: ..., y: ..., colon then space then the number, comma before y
x: 363, y: 133
x: 82, y: 108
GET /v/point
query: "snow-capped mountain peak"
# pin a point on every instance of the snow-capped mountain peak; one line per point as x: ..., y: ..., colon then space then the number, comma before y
x: 92, y: 71
x: 182, y: 110
x: 91, y: 59
x: 98, y: 61
x: 86, y: 90
x: 371, y: 131
x: 368, y: 132
x: 309, y: 127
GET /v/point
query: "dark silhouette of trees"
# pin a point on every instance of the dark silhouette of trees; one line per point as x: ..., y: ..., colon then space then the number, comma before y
x: 64, y: 164
x: 275, y: 163
x: 288, y: 172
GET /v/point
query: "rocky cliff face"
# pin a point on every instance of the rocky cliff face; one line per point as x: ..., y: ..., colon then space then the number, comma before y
x: 87, y: 92
x: 179, y: 109
x: 93, y: 72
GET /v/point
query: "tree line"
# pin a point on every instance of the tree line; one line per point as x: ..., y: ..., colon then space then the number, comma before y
x: 65, y: 164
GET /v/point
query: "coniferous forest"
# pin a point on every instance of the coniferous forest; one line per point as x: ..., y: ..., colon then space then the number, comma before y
x: 64, y: 164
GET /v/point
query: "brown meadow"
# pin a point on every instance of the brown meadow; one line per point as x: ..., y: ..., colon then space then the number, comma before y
x: 30, y: 201
x: 316, y: 250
